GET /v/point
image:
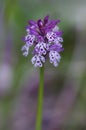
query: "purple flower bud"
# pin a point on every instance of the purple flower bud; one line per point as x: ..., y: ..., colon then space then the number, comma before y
x: 40, y: 23
x: 46, y: 18
x: 46, y: 39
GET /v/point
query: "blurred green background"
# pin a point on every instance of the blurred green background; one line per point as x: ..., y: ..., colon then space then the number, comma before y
x: 64, y: 105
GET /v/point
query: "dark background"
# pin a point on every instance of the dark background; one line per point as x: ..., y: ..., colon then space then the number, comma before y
x: 64, y: 105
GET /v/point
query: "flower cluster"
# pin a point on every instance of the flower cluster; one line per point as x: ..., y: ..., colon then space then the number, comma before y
x: 46, y: 39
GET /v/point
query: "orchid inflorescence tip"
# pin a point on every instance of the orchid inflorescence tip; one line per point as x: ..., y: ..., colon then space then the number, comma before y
x: 46, y: 39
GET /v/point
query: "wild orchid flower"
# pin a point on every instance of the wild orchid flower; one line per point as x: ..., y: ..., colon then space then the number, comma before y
x: 45, y: 38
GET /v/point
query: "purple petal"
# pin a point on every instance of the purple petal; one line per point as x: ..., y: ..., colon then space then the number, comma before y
x: 55, y: 47
x: 33, y: 31
x: 51, y: 24
x: 40, y: 38
x: 59, y: 33
x: 40, y: 23
x: 46, y: 18
x: 32, y: 23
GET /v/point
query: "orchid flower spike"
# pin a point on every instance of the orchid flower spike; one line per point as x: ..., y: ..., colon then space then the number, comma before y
x: 46, y: 39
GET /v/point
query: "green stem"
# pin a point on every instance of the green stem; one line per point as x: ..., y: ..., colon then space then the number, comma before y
x: 40, y: 100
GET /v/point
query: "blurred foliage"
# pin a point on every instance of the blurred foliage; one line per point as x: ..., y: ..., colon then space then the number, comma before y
x: 16, y: 71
